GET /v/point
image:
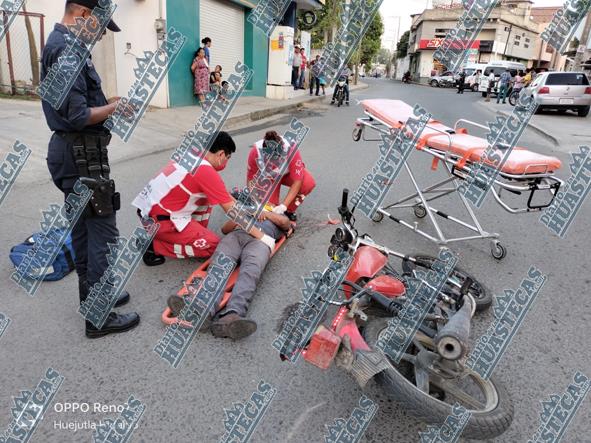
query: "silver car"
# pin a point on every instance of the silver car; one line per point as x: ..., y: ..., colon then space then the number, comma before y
x: 561, y: 91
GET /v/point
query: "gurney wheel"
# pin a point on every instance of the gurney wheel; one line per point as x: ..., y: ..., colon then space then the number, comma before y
x: 357, y: 134
x: 498, y: 251
x: 378, y: 217
x: 420, y: 211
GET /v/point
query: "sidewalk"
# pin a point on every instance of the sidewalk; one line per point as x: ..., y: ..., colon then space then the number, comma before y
x: 160, y: 129
x: 566, y: 132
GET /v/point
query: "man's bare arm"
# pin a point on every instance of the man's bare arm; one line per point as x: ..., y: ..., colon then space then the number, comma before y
x: 100, y: 113
x: 279, y: 220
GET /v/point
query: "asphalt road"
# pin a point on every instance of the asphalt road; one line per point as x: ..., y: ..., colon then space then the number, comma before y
x: 187, y: 404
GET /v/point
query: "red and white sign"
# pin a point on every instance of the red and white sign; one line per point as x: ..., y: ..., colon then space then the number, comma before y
x: 435, y: 43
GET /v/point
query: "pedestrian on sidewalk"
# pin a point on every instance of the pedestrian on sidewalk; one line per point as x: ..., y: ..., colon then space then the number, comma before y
x: 295, y: 69
x: 302, y: 80
x: 78, y: 149
x: 206, y: 42
x: 314, y: 75
x: 461, y: 82
x: 504, y: 82
x: 491, y: 85
x: 200, y: 69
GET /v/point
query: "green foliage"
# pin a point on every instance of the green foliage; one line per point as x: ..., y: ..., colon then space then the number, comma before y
x: 402, y: 47
x: 372, y: 42
x: 328, y: 18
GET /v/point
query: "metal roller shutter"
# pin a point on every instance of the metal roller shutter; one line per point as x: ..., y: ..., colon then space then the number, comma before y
x: 223, y: 22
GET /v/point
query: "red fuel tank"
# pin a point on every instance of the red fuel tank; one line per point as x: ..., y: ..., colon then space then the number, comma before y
x: 389, y: 286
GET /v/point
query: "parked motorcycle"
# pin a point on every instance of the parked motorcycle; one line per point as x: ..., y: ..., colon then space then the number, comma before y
x: 431, y: 375
x: 406, y: 77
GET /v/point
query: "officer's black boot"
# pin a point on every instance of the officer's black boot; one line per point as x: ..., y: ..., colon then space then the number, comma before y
x: 151, y: 258
x: 83, y: 291
x: 114, y: 324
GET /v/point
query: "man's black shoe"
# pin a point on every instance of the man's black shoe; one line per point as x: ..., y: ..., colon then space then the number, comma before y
x: 291, y: 215
x: 123, y: 299
x: 347, y: 103
x: 151, y: 258
x: 115, y: 324
x: 233, y: 326
x: 176, y: 303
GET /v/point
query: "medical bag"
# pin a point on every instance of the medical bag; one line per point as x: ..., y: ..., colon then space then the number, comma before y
x: 63, y: 263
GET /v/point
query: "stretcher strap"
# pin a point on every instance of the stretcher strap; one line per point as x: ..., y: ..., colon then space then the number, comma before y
x: 464, y: 159
x: 423, y: 142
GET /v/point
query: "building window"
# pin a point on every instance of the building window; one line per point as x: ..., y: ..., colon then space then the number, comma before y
x: 516, y: 43
x: 525, y: 45
x: 517, y: 37
x: 527, y: 40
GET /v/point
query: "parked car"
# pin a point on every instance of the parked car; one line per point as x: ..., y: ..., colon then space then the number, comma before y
x: 561, y: 91
x: 448, y: 78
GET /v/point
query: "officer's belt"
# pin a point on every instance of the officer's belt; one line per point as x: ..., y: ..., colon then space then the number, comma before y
x: 90, y: 153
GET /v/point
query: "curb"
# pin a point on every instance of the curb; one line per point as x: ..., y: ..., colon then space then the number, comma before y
x: 252, y: 117
x: 536, y: 128
x: 268, y: 112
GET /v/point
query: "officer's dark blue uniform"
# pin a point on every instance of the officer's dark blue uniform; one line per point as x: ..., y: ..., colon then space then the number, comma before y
x: 92, y: 233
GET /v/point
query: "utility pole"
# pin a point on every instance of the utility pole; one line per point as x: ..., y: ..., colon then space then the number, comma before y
x: 578, y: 63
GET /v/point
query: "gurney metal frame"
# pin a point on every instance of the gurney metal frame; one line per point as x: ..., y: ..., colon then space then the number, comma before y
x: 422, y: 197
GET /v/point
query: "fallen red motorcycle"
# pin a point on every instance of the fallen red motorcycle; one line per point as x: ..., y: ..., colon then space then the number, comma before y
x: 431, y: 375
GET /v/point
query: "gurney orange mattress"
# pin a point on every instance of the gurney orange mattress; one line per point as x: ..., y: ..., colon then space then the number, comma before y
x: 520, y: 161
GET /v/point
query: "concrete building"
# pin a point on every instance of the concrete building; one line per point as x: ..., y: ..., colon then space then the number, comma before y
x: 545, y: 56
x: 224, y: 21
x: 508, y: 34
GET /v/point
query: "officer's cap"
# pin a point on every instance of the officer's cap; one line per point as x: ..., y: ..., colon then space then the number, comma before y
x: 91, y: 4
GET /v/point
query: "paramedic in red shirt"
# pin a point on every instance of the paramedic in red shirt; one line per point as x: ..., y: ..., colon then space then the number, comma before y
x: 297, y: 177
x: 182, y: 203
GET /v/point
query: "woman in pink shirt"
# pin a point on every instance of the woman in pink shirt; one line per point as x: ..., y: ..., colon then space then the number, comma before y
x: 296, y: 177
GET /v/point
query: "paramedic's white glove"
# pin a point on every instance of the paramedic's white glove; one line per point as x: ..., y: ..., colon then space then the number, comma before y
x: 269, y: 241
x: 280, y: 209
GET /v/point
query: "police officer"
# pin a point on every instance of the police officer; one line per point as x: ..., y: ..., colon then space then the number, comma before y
x: 78, y: 149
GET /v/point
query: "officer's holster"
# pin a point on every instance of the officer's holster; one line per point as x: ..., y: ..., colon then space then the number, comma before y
x: 91, y: 156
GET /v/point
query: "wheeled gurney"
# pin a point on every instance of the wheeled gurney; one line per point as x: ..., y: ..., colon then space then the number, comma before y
x: 523, y: 173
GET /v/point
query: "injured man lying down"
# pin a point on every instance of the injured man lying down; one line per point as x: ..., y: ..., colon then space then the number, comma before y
x: 252, y: 257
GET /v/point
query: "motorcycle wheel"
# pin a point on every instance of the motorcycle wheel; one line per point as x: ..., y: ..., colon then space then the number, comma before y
x: 481, y: 294
x: 434, y: 401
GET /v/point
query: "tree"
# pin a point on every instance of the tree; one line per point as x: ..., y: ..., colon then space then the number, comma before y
x: 372, y: 42
x: 402, y: 47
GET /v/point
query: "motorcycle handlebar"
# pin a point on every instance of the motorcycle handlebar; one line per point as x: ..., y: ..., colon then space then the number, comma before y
x: 345, y: 198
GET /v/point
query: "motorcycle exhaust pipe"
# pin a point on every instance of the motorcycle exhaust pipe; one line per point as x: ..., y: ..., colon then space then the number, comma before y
x: 452, y: 340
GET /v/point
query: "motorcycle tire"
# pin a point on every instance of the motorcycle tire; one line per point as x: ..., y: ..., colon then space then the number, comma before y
x: 481, y: 294
x: 481, y: 425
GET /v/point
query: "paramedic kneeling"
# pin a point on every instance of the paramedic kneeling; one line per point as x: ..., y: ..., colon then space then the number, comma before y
x: 300, y: 181
x: 182, y: 203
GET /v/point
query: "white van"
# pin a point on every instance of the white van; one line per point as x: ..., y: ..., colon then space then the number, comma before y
x: 470, y: 70
x: 498, y: 68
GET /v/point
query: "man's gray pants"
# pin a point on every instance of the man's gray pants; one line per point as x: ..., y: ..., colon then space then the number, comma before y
x: 252, y: 256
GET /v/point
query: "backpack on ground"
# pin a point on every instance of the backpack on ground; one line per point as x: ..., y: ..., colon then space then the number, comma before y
x: 63, y: 263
